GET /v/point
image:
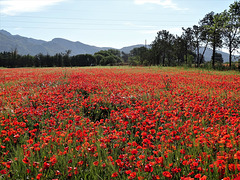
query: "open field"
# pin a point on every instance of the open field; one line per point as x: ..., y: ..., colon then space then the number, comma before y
x: 119, y: 123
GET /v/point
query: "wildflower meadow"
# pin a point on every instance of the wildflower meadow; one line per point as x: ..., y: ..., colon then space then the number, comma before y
x: 119, y: 123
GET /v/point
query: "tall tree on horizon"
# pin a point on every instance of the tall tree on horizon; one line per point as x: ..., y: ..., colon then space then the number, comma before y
x: 204, y: 39
x: 187, y: 35
x: 231, y: 29
x: 212, y: 25
x: 197, y: 40
x: 178, y: 49
x: 163, y: 46
x: 140, y: 52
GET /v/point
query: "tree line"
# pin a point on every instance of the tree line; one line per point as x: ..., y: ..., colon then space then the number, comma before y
x: 215, y: 30
x: 13, y: 59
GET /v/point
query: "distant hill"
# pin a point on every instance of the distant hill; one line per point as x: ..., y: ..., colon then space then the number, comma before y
x: 208, y: 55
x: 31, y: 46
x: 24, y: 46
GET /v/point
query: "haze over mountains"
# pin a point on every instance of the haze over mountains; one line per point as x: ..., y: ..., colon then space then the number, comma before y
x: 24, y: 46
x: 32, y: 46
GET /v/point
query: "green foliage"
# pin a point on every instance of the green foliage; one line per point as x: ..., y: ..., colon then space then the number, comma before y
x: 98, y: 58
x: 134, y: 61
x: 109, y: 60
x: 12, y: 60
x: 108, y: 57
x: 115, y: 52
x: 83, y: 60
x: 231, y: 29
x: 190, y: 59
x: 124, y: 56
x: 103, y: 53
x: 218, y: 58
x: 140, y: 55
x: 162, y: 48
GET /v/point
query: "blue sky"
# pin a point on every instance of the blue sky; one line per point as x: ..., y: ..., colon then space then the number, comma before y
x: 103, y: 23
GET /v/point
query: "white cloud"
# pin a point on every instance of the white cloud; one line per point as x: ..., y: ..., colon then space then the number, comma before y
x: 164, y: 3
x: 13, y: 7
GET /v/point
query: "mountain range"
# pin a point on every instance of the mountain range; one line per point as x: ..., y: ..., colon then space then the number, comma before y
x: 25, y: 45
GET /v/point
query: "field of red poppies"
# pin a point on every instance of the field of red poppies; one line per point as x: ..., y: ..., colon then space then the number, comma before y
x: 119, y: 123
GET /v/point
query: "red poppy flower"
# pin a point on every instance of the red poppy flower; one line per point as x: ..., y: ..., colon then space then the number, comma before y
x: 39, y: 176
x: 148, y: 168
x: 95, y: 163
x: 3, y: 171
x: 26, y: 160
x: 167, y: 174
x: 128, y: 171
x: 133, y: 174
x: 115, y: 174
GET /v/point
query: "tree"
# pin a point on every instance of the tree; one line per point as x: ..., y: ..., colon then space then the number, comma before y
x: 124, y: 56
x: 98, y: 58
x: 26, y: 61
x: 5, y: 57
x: 204, y: 39
x: 231, y: 29
x: 103, y: 53
x: 197, y: 40
x: 188, y: 37
x: 39, y: 60
x: 91, y: 59
x: 83, y: 60
x: 162, y: 47
x: 179, y: 49
x: 58, y: 60
x: 110, y: 60
x: 66, y: 58
x: 218, y: 58
x: 12, y: 62
x: 115, y: 52
x: 140, y: 54
x: 107, y: 58
x: 212, y: 24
